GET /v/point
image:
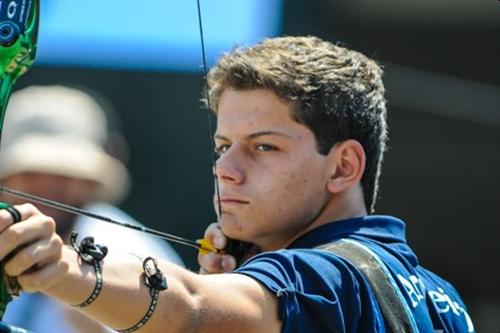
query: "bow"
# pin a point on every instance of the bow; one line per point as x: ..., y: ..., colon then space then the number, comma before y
x: 18, y: 41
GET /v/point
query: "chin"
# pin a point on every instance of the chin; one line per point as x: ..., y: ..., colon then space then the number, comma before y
x: 232, y: 227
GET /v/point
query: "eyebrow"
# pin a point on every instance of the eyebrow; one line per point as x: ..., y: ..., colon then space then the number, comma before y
x: 255, y: 135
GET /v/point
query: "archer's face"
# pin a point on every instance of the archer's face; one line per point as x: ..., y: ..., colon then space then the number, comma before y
x: 272, y: 180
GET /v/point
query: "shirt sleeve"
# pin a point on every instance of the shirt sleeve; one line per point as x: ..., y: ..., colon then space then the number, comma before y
x: 317, y: 291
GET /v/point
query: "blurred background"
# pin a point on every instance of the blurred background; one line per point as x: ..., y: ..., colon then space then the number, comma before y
x: 441, y: 60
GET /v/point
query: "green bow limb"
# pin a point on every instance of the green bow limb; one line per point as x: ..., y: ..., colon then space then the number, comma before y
x: 19, y: 20
x: 18, y: 42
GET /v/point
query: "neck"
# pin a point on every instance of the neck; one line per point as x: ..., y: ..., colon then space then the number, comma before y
x: 340, y: 206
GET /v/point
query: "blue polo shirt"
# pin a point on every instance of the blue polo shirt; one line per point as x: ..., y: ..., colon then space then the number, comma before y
x: 319, y: 291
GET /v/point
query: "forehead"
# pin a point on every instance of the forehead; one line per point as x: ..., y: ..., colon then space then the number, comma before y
x: 255, y: 109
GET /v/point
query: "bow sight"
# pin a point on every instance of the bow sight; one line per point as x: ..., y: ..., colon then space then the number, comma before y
x: 18, y: 40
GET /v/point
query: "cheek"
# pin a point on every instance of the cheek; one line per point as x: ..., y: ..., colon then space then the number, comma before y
x: 298, y: 182
x: 302, y: 179
x: 295, y: 191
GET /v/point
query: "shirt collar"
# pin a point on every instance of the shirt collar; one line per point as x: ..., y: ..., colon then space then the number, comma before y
x: 387, y: 229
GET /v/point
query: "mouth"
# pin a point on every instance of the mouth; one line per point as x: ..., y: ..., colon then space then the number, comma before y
x: 232, y: 201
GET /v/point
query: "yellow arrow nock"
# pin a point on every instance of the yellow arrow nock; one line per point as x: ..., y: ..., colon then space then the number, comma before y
x: 206, y: 246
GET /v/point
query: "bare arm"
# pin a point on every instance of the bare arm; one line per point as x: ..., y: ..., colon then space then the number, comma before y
x: 192, y: 302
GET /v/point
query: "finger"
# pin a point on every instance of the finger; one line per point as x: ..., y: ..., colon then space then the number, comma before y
x: 43, y: 278
x: 34, y: 255
x: 28, y: 231
x: 5, y: 220
x: 214, y: 234
x: 228, y: 263
x: 212, y: 263
x: 208, y: 263
x: 14, y: 214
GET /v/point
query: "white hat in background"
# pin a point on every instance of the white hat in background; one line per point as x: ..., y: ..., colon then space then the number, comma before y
x: 61, y: 131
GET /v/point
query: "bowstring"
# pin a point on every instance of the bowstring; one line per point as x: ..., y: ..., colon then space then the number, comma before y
x: 206, y: 92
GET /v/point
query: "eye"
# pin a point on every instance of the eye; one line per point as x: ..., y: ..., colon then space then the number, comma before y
x: 219, y: 150
x: 265, y: 147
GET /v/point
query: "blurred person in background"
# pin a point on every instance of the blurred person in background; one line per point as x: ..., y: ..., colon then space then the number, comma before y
x: 53, y: 146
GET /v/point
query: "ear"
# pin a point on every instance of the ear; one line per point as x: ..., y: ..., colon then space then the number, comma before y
x: 348, y: 165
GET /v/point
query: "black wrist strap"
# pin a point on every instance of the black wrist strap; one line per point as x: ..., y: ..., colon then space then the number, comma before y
x: 88, y: 251
x: 92, y: 254
x: 156, y: 281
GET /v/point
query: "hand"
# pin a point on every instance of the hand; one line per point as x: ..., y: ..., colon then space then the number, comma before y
x: 221, y: 262
x: 211, y: 263
x: 30, y: 249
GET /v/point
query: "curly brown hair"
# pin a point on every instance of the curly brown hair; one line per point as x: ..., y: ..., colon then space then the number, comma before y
x: 336, y: 92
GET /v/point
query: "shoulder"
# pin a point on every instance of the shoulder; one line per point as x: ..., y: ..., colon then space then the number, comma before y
x: 300, y: 265
x: 312, y: 284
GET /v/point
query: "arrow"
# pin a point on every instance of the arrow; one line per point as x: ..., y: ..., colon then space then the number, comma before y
x: 201, y: 245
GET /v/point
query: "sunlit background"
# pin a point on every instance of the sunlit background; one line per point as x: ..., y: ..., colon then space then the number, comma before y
x: 149, y: 35
x: 441, y: 60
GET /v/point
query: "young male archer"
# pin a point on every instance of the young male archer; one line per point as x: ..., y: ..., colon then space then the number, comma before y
x: 301, y: 132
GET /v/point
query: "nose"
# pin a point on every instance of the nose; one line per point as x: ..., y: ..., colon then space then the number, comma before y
x: 229, y: 166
